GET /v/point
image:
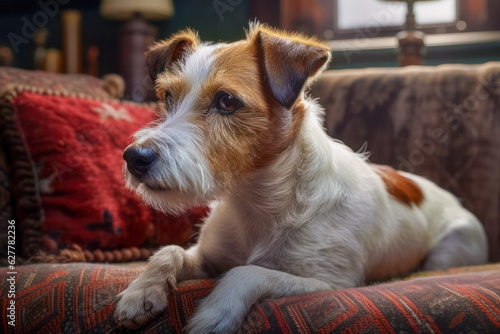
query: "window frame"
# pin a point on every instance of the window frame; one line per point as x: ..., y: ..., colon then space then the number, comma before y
x: 302, y: 15
x: 385, y: 31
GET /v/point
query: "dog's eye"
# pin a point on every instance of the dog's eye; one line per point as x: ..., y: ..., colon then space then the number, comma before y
x: 226, y: 103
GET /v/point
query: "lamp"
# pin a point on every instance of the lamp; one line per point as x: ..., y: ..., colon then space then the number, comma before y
x: 135, y: 37
x: 125, y: 9
x: 411, y: 41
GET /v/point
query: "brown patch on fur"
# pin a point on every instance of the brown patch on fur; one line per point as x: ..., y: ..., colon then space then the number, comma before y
x: 165, y: 53
x: 235, y: 142
x: 256, y: 134
x: 400, y: 187
x: 177, y: 86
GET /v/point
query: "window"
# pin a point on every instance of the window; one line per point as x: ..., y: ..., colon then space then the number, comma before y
x: 354, y: 14
x: 344, y: 19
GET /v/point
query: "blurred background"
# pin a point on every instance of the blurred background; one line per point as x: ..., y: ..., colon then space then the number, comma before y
x: 101, y: 37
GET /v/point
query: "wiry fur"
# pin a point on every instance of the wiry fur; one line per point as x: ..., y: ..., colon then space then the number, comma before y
x: 293, y: 211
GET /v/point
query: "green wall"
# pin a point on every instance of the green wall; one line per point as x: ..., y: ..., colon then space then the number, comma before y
x: 203, y: 16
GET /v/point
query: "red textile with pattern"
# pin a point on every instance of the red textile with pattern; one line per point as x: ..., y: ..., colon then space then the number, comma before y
x: 76, y: 146
x: 78, y: 298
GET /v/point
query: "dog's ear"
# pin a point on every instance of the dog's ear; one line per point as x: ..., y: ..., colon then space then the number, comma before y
x: 289, y: 61
x: 163, y: 54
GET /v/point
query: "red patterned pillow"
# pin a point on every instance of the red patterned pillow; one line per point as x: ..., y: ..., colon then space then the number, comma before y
x: 70, y: 192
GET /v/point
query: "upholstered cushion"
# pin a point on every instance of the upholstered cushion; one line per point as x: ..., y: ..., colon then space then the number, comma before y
x: 71, y: 201
x: 110, y: 87
x: 79, y: 298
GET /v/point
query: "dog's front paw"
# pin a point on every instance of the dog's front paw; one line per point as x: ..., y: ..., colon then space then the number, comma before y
x: 139, y: 304
x: 221, y: 316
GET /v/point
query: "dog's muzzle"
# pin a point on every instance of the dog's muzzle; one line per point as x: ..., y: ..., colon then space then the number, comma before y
x: 139, y: 159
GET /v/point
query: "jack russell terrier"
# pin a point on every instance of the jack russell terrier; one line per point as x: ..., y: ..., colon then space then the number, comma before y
x: 293, y: 211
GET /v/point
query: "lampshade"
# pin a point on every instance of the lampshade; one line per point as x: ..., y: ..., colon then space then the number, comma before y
x: 406, y: 0
x: 125, y: 9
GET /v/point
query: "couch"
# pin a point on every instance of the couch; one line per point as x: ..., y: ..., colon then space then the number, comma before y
x: 440, y: 122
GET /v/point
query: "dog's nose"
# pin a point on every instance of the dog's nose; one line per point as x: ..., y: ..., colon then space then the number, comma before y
x: 139, y: 159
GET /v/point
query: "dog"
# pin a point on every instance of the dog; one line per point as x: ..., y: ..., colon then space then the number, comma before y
x: 292, y: 211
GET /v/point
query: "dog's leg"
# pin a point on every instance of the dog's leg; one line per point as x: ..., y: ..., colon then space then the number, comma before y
x: 147, y: 296
x: 464, y: 245
x: 224, y: 310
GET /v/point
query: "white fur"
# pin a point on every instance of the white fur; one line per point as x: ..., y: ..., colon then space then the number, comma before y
x: 317, y: 218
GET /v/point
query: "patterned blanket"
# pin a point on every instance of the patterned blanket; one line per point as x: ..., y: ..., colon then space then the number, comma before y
x: 79, y: 298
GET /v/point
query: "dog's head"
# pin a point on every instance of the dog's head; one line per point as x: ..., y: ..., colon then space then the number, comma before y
x: 229, y: 110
